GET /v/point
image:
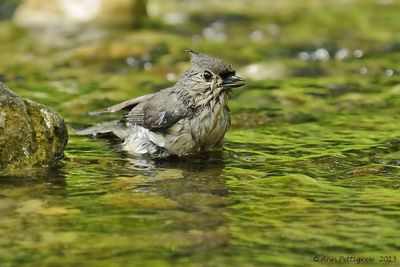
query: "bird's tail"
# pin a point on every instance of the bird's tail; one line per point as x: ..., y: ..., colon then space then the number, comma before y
x: 110, y: 127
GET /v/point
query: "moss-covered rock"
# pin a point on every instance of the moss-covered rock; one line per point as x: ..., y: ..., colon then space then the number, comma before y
x: 31, y: 135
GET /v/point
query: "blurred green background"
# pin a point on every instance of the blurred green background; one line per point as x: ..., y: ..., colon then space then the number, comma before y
x: 310, y: 166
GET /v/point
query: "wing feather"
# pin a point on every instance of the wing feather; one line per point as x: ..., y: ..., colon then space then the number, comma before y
x: 158, y: 113
x: 126, y: 105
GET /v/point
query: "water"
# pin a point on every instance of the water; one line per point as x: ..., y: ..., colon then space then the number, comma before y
x: 309, y: 168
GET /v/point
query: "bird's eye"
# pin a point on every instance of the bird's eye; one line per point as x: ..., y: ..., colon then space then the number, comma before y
x: 207, y: 75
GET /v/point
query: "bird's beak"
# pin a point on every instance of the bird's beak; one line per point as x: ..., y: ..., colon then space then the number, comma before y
x: 233, y: 82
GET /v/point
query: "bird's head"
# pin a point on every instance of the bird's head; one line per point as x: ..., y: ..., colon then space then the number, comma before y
x: 209, y: 76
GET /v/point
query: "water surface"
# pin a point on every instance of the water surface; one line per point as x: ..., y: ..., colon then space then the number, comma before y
x: 309, y: 168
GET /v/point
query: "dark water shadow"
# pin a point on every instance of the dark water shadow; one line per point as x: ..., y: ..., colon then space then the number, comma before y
x: 55, y: 175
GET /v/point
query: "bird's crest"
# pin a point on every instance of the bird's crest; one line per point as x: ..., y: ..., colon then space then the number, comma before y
x: 203, y: 61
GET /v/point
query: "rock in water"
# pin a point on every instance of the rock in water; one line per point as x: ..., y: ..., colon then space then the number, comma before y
x: 66, y: 23
x: 63, y: 13
x: 31, y: 135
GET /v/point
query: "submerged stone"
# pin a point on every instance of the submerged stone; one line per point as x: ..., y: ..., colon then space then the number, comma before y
x: 31, y: 135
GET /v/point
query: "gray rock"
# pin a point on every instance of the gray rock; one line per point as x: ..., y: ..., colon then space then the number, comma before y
x: 31, y: 135
x: 66, y: 23
x: 36, y: 14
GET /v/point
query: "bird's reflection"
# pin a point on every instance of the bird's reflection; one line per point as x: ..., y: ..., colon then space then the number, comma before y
x: 176, y: 176
x: 197, y: 188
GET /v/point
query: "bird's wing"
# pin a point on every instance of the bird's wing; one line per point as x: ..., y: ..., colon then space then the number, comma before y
x: 126, y: 105
x: 157, y: 113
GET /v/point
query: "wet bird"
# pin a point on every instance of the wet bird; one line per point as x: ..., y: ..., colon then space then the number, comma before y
x: 187, y: 118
